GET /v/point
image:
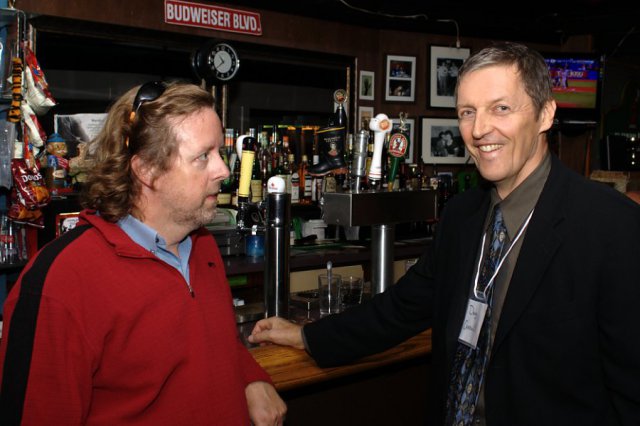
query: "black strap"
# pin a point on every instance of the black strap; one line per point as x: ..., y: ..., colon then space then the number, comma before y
x: 21, y: 335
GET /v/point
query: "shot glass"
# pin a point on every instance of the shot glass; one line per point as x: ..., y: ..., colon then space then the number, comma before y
x: 351, y: 290
x: 329, y: 294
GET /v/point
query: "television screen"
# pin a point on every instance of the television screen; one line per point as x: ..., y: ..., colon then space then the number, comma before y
x: 575, y: 81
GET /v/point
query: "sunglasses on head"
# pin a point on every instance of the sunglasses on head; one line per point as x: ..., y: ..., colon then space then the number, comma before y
x: 148, y: 92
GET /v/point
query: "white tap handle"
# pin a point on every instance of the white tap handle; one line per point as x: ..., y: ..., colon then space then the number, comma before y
x: 239, y: 143
x: 381, y: 125
x: 276, y: 184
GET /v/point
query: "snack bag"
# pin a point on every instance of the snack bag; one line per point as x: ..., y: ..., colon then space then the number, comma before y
x: 29, y: 183
x: 20, y: 214
x: 38, y: 95
x: 36, y: 133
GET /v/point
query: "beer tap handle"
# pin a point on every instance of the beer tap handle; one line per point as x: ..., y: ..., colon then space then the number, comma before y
x: 245, y: 146
x: 398, y: 146
x: 381, y: 125
x: 276, y: 184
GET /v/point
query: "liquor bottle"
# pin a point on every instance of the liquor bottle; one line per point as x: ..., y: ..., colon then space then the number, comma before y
x: 294, y: 177
x: 276, y: 149
x: 224, y: 196
x: 316, y: 181
x: 339, y: 118
x: 265, y: 161
x: 235, y: 184
x: 285, y: 139
x: 286, y: 148
x: 286, y: 175
x: 306, y: 181
x: 256, y: 182
x: 229, y: 138
x: 280, y: 170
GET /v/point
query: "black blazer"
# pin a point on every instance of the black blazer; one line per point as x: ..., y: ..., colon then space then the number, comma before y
x: 567, y: 346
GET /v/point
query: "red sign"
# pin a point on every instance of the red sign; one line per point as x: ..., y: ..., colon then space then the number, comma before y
x: 189, y: 14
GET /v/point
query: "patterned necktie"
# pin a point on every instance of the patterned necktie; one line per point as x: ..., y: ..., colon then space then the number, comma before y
x: 470, y: 364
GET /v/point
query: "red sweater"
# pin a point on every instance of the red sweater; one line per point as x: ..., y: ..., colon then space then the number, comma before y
x: 115, y: 338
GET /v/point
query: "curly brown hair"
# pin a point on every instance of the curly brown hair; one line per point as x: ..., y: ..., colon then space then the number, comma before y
x: 111, y: 187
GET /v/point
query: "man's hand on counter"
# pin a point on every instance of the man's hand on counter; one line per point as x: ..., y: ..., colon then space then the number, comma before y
x: 279, y: 331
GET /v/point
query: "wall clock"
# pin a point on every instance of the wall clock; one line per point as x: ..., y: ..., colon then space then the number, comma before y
x: 219, y: 61
x: 224, y: 61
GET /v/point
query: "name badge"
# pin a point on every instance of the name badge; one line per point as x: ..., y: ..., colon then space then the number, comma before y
x: 472, y: 323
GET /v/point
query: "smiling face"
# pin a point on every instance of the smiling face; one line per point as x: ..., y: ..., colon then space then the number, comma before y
x: 187, y: 192
x: 499, y: 125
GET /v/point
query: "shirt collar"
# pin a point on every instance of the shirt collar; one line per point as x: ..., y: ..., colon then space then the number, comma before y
x: 516, y: 207
x: 140, y: 232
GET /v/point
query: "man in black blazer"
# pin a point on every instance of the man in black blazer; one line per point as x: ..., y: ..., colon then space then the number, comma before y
x: 565, y: 347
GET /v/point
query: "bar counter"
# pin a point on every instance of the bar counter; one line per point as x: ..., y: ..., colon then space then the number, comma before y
x: 293, y: 368
x: 349, y: 394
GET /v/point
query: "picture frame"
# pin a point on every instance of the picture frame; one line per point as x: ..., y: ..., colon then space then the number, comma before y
x: 444, y: 65
x: 367, y: 85
x: 411, y: 124
x: 364, y: 113
x: 442, y: 142
x: 66, y: 222
x: 401, y: 78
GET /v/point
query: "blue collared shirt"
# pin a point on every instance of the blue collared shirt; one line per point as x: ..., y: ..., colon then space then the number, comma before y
x: 148, y: 238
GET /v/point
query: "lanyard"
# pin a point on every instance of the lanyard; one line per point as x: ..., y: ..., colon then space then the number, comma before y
x: 482, y: 295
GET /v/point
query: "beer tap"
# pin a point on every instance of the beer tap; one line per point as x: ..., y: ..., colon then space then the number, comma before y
x: 277, y: 244
x: 249, y: 214
x: 398, y: 146
x: 359, y: 161
x: 381, y: 125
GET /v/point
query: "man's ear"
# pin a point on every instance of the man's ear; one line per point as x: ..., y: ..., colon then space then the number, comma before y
x: 142, y: 171
x: 547, y: 115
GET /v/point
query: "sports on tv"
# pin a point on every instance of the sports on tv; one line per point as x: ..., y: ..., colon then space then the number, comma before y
x: 575, y: 81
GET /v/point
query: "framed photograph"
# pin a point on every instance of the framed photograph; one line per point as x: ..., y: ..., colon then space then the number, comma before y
x: 441, y: 142
x: 444, y: 65
x: 410, y: 124
x: 365, y: 114
x: 367, y: 85
x: 401, y: 78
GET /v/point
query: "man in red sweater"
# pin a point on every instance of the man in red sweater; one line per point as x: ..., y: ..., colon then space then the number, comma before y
x: 128, y: 318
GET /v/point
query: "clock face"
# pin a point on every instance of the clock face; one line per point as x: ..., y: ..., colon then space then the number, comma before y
x: 223, y: 61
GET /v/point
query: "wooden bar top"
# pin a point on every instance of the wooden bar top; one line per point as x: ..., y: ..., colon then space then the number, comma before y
x: 291, y: 368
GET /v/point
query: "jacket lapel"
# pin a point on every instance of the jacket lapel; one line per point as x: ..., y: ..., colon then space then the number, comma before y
x: 541, y: 241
